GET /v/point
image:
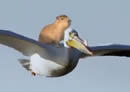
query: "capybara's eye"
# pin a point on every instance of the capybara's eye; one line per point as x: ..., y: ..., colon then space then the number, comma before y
x: 62, y: 18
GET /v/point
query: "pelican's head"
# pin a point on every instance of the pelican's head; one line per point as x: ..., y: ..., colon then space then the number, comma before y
x: 71, y: 39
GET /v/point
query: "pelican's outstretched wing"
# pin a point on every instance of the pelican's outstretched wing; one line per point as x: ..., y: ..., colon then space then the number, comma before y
x: 21, y: 43
x: 26, y: 45
x: 29, y: 46
x: 110, y: 50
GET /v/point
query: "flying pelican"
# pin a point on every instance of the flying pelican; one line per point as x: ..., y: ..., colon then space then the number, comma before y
x: 50, y: 61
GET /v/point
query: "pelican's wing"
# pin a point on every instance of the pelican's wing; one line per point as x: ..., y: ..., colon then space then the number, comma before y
x: 29, y: 47
x: 110, y: 50
x: 23, y: 44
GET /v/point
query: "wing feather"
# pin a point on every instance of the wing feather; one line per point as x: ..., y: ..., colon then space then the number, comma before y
x: 21, y: 43
x: 110, y: 50
x: 29, y: 47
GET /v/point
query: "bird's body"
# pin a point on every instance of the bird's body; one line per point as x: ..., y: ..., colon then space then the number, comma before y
x: 54, y: 33
x: 45, y: 59
x: 50, y: 61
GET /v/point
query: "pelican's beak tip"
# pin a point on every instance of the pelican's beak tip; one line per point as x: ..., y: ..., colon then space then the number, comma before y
x: 91, y: 53
x: 88, y: 51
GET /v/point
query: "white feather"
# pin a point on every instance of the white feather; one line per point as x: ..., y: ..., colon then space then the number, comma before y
x: 66, y: 36
x: 43, y: 66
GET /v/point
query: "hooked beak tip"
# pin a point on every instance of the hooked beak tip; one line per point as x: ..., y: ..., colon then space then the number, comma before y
x: 89, y: 52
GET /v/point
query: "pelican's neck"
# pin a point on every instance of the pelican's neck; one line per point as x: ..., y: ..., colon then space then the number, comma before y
x: 66, y: 36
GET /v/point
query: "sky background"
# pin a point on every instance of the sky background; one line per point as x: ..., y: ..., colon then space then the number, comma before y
x: 98, y: 21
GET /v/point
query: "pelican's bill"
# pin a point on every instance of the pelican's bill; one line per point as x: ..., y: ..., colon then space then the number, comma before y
x: 76, y: 42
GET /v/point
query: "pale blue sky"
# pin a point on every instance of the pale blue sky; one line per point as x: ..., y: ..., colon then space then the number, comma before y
x: 98, y: 21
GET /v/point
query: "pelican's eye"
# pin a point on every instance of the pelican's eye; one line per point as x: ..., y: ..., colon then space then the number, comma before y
x: 75, y: 33
x: 71, y: 35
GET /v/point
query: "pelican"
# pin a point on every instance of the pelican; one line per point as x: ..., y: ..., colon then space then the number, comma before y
x: 50, y: 61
